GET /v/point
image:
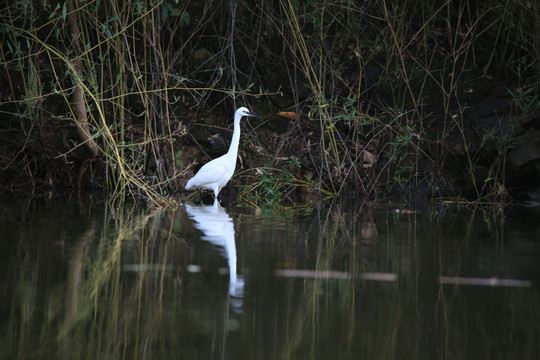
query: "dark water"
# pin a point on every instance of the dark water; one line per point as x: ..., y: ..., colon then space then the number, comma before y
x: 82, y: 280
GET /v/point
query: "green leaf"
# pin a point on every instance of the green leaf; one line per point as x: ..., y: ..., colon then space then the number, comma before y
x: 178, y: 160
x: 184, y: 18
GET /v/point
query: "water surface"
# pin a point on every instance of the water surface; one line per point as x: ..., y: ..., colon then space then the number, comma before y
x: 84, y: 280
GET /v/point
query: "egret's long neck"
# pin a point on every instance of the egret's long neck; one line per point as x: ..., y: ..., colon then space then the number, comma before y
x: 233, y: 149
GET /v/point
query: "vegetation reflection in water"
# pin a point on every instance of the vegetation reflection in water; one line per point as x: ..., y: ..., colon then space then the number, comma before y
x: 89, y: 282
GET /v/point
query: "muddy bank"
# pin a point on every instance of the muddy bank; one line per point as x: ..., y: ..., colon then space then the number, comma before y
x: 502, y: 145
x: 499, y: 143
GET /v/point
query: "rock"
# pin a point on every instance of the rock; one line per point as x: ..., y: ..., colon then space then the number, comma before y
x: 526, y: 149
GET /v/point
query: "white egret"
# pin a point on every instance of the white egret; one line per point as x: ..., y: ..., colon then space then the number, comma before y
x: 215, y: 174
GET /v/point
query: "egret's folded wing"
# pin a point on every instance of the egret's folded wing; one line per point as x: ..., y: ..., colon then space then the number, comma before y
x: 208, y: 174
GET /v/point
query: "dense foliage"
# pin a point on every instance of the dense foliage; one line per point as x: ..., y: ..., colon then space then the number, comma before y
x: 106, y: 93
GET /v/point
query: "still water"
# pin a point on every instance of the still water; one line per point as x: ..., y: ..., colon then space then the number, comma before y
x: 82, y: 280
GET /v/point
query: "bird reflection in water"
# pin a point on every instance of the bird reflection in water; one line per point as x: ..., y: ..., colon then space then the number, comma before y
x: 218, y: 228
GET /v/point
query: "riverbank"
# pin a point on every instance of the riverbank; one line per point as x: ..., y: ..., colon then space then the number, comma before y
x: 402, y: 102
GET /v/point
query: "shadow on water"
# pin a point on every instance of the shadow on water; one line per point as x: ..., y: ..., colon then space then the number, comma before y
x: 86, y: 281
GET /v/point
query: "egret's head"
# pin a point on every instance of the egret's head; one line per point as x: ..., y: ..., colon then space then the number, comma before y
x: 245, y: 112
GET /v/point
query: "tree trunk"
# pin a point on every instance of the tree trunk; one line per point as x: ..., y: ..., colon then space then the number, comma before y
x: 78, y: 93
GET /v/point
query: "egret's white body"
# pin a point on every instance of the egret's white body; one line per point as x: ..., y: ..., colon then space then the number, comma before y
x: 215, y: 174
